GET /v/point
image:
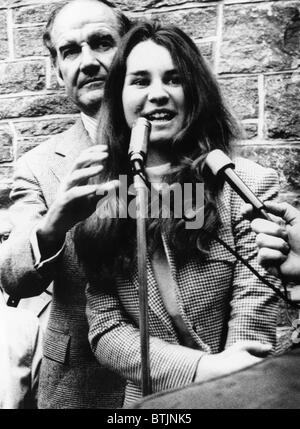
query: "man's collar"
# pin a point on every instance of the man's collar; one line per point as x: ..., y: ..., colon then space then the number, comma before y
x: 91, y: 126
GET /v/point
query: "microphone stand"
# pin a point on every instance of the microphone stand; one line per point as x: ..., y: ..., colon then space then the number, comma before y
x: 141, y: 200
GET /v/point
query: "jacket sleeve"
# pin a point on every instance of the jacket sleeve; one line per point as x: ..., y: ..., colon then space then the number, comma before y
x: 254, y: 306
x: 36, y: 359
x: 115, y: 342
x: 20, y: 274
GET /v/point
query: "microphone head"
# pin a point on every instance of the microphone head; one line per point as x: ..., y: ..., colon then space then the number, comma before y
x: 139, y: 139
x: 217, y: 161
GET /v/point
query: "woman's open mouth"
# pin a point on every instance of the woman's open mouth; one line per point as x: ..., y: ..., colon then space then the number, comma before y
x: 160, y: 115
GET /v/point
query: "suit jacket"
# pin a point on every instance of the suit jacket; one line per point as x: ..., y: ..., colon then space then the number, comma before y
x: 39, y: 306
x: 70, y: 375
x: 219, y: 299
x: 20, y: 358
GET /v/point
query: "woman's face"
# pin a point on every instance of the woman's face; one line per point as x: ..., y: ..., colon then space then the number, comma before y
x: 152, y: 89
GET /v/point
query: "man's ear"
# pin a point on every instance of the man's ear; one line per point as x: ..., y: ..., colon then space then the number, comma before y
x: 58, y: 75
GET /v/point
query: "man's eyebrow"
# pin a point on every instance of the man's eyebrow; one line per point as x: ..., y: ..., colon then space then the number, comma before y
x: 101, y: 35
x: 67, y: 44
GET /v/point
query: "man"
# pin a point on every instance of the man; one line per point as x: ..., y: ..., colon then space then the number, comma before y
x: 51, y: 195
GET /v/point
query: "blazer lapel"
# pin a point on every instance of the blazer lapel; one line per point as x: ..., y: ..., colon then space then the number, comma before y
x: 155, y: 302
x: 179, y: 299
x: 69, y: 146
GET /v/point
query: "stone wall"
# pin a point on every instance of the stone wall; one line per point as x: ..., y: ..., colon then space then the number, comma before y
x: 253, y: 47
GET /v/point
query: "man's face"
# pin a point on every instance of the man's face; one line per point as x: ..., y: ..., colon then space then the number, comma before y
x: 85, y: 36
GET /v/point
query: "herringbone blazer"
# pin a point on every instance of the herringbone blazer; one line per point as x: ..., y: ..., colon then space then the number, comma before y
x: 219, y: 299
x: 70, y: 375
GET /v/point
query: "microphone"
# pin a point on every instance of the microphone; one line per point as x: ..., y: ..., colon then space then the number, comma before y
x: 222, y: 166
x: 139, y: 140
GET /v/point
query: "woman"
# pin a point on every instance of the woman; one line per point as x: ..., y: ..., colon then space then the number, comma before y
x: 208, y: 315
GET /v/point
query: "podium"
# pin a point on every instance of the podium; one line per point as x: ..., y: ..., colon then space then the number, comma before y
x: 273, y: 383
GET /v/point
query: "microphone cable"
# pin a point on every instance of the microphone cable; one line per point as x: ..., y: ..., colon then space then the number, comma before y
x: 283, y: 296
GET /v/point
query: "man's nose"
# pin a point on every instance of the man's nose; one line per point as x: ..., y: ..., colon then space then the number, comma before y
x: 89, y: 62
x: 157, y: 93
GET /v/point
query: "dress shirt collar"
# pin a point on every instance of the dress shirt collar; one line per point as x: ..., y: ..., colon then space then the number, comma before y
x: 91, y: 126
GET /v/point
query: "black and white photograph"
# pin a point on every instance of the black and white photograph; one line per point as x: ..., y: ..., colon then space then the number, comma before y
x: 149, y: 207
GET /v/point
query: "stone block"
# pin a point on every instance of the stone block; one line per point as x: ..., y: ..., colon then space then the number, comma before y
x: 207, y: 52
x: 29, y: 42
x: 284, y: 160
x: 197, y: 23
x: 6, y: 144
x: 137, y: 5
x: 6, y: 174
x: 260, y: 37
x: 241, y: 94
x: 53, y: 84
x: 33, y: 14
x: 282, y: 113
x: 31, y: 106
x: 42, y: 127
x: 250, y: 130
x: 22, y: 76
x: 3, y: 36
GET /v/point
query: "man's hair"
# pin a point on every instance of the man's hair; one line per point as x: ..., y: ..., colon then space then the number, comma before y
x: 5, y: 201
x: 123, y: 21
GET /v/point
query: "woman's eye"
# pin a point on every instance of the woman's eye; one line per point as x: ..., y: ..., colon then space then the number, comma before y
x: 174, y: 80
x: 140, y: 82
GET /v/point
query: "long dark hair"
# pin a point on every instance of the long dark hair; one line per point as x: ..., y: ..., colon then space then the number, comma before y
x: 109, y: 242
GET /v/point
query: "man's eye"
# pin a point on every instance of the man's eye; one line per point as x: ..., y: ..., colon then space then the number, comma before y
x: 4, y: 237
x: 69, y: 52
x: 103, y: 44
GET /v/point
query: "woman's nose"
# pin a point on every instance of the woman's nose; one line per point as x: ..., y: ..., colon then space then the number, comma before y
x: 157, y: 93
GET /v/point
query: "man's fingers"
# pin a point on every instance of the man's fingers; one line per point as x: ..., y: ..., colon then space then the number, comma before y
x: 269, y: 257
x: 92, y: 155
x: 97, y: 191
x: 265, y: 240
x: 79, y: 177
x: 267, y: 227
x: 107, y: 187
x: 78, y: 192
x: 284, y: 210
